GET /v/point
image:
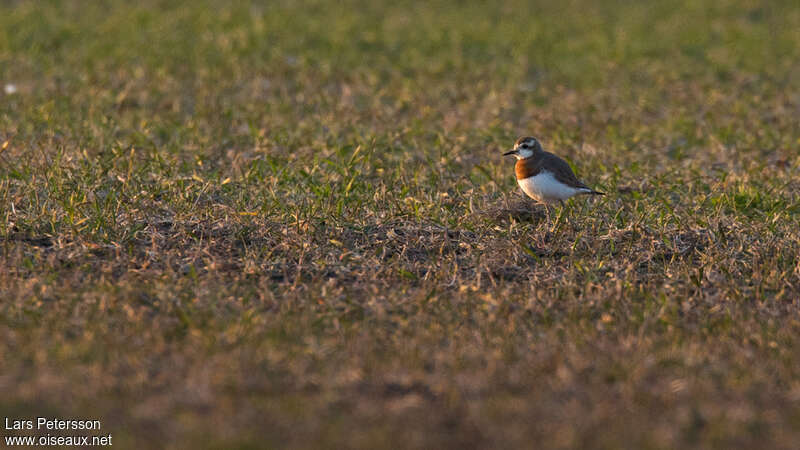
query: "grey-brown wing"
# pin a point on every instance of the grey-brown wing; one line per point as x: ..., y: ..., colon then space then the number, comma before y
x: 562, y: 171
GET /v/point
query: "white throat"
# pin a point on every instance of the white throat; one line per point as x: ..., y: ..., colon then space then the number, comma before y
x: 524, y: 153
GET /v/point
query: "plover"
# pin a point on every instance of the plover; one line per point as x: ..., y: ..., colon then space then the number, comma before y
x: 544, y: 176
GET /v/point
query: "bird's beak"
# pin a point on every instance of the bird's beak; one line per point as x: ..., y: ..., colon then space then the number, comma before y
x: 511, y: 152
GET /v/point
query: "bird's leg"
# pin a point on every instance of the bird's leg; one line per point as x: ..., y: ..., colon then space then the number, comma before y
x: 553, y: 224
x: 549, y: 218
x: 561, y: 212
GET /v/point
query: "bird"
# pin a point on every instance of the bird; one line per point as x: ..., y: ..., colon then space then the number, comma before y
x: 544, y: 176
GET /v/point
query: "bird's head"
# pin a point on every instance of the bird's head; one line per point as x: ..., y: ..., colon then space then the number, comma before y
x: 525, y: 147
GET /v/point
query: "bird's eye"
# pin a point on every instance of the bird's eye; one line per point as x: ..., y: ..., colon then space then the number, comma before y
x: 524, y: 146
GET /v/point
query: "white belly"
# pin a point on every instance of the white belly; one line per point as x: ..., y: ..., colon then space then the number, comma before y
x: 545, y: 188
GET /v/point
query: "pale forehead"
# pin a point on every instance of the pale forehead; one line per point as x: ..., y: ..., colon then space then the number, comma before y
x: 525, y: 140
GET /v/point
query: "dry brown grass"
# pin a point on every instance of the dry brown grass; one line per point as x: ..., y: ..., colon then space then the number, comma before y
x: 250, y: 237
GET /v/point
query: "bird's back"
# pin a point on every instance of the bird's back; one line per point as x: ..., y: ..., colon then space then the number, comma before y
x: 546, y: 161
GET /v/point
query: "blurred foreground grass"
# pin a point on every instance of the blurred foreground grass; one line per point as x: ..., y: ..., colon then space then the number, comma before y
x: 230, y: 224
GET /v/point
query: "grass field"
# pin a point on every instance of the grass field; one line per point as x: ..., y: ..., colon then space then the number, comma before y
x: 289, y: 224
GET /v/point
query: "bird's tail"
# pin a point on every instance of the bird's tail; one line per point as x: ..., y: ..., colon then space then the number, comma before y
x: 592, y: 192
